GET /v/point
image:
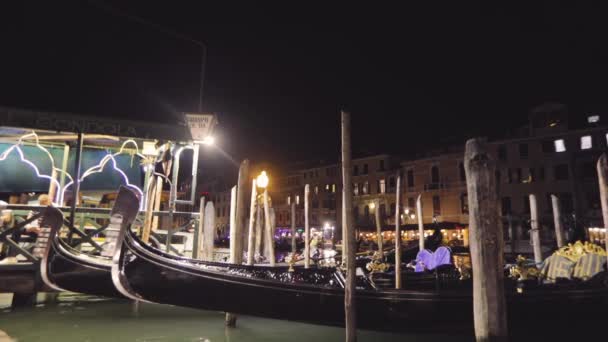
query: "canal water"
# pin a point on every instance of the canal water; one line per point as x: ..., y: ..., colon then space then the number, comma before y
x: 80, y: 318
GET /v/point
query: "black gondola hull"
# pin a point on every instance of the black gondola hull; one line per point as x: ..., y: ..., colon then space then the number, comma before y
x: 70, y: 273
x: 157, y: 277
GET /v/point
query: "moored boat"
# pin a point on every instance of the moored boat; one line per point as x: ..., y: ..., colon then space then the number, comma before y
x: 65, y: 268
x: 316, y: 295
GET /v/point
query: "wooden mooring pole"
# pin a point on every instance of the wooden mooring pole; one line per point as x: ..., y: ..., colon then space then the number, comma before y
x: 306, y: 226
x: 420, y: 222
x: 602, y: 173
x: 378, y: 229
x: 269, y: 231
x: 534, y: 231
x: 208, y: 232
x: 293, y: 229
x: 557, y: 221
x: 348, y: 227
x: 238, y: 219
x: 251, y: 233
x: 486, y: 244
x: 398, y: 234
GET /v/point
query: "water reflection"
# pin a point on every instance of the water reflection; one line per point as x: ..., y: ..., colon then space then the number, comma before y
x: 79, y: 318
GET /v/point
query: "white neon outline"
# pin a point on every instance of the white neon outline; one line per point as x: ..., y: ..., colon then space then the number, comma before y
x: 4, y: 155
x: 99, y: 168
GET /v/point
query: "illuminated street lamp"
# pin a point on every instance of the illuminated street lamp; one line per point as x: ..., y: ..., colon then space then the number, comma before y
x: 209, y: 141
x: 262, y: 180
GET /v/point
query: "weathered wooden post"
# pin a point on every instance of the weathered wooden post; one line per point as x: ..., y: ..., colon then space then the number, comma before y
x: 240, y: 217
x: 534, y: 232
x: 235, y: 237
x: 293, y: 229
x: 251, y: 232
x: 158, y: 192
x: 259, y: 230
x: 233, y: 228
x: 512, y: 233
x: 198, y: 241
x: 208, y: 232
x: 486, y: 245
x: 148, y: 218
x: 348, y: 227
x: 306, y: 226
x: 269, y: 243
x: 602, y: 173
x: 398, y: 234
x: 378, y: 228
x: 557, y: 221
x: 420, y: 222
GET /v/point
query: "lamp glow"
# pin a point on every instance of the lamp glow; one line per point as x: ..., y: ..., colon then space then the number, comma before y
x: 262, y: 180
x: 209, y: 140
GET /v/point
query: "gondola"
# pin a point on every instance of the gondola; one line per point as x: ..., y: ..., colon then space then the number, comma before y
x: 67, y: 269
x: 316, y: 295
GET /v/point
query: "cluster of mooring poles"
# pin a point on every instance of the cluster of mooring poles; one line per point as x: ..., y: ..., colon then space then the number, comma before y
x: 485, y: 235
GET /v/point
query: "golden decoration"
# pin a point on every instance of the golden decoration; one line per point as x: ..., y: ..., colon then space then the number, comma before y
x: 376, y: 265
x: 521, y: 271
x: 462, y: 262
x: 578, y: 249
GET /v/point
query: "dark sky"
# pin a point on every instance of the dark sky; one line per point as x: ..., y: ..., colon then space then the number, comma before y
x: 414, y: 76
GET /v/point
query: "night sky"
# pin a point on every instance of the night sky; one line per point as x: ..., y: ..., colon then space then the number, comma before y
x: 414, y: 76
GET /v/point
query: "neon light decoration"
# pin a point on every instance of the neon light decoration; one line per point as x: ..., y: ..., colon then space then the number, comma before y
x: 101, y: 165
x: 16, y: 147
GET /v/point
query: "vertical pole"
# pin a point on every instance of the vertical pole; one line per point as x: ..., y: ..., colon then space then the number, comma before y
x: 259, y: 231
x: 237, y: 224
x: 208, y: 231
x: 251, y: 232
x: 198, y: 236
x: 513, y: 233
x: 420, y: 222
x: 240, y: 211
x: 344, y: 236
x: 64, y: 168
x: 398, y: 234
x: 557, y: 221
x: 306, y: 226
x: 269, y: 231
x: 378, y: 228
x: 293, y: 229
x: 534, y: 232
x: 158, y: 191
x: 489, y: 307
x: 53, y: 187
x: 602, y: 173
x: 348, y: 232
x: 233, y: 228
x: 145, y: 234
x: 76, y: 186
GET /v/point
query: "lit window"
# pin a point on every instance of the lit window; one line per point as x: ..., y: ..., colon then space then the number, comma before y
x: 365, y: 187
x: 560, y: 145
x: 333, y: 188
x: 382, y: 186
x: 356, y: 189
x: 288, y: 200
x: 297, y: 199
x: 593, y: 118
x: 316, y: 190
x: 586, y: 142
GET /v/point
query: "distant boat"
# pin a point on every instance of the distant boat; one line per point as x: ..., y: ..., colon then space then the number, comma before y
x: 317, y: 295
